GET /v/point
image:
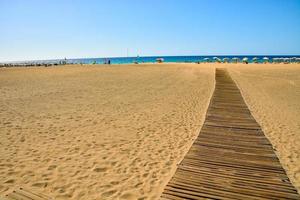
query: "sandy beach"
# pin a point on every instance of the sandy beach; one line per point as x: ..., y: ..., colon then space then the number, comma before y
x: 90, y: 132
x: 118, y: 132
x: 272, y: 92
x: 149, y: 100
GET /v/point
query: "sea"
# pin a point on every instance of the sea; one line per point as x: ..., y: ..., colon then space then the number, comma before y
x: 170, y: 59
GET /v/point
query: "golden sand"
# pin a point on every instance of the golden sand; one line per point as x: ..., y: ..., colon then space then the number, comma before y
x: 272, y: 92
x: 117, y: 132
x: 98, y: 132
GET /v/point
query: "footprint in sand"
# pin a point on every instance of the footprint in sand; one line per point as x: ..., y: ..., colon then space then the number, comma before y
x: 40, y: 184
x: 114, y: 182
x: 108, y: 193
x: 100, y: 169
x: 128, y: 196
x: 51, y: 167
x: 10, y: 181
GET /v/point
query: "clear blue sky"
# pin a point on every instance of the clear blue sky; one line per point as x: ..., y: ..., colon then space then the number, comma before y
x: 44, y: 29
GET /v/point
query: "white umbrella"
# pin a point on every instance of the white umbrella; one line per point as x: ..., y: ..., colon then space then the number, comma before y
x: 225, y: 60
x: 280, y: 59
x: 286, y: 60
x: 275, y: 60
x: 217, y: 59
x: 245, y: 59
x: 255, y: 59
x: 206, y: 59
x: 159, y: 60
x: 235, y: 59
x: 266, y: 59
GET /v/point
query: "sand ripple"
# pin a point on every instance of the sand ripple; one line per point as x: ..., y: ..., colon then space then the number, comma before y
x: 99, y: 132
x: 273, y: 94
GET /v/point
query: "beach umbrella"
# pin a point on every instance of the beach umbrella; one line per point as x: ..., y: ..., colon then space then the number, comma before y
x: 217, y: 59
x: 255, y: 60
x: 280, y: 60
x: 159, y: 60
x: 286, y: 60
x: 206, y: 59
x: 235, y: 59
x: 275, y: 60
x: 245, y: 60
x: 225, y: 60
x: 64, y: 62
x: 266, y: 59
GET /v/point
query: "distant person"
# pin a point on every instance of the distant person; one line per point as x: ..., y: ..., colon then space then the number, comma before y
x: 108, y: 62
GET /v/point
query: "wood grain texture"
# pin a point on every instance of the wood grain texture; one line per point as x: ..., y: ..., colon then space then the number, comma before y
x: 231, y: 158
x: 25, y: 194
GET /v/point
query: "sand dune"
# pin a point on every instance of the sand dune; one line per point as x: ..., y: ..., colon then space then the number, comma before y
x: 272, y: 93
x: 93, y: 132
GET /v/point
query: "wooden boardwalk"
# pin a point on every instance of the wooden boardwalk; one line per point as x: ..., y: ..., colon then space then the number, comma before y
x: 231, y: 158
x: 24, y: 194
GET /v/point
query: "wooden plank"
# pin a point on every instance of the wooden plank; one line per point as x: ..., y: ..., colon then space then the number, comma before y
x: 231, y: 158
x: 25, y: 194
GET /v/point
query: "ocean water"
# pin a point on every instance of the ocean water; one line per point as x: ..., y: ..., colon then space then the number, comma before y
x: 171, y: 59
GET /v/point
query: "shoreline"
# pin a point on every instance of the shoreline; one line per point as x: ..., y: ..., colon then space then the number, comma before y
x: 139, y: 64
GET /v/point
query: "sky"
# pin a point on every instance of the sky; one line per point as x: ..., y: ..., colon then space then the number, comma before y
x: 54, y: 29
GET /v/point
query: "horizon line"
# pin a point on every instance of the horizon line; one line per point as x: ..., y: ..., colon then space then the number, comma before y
x: 11, y: 61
